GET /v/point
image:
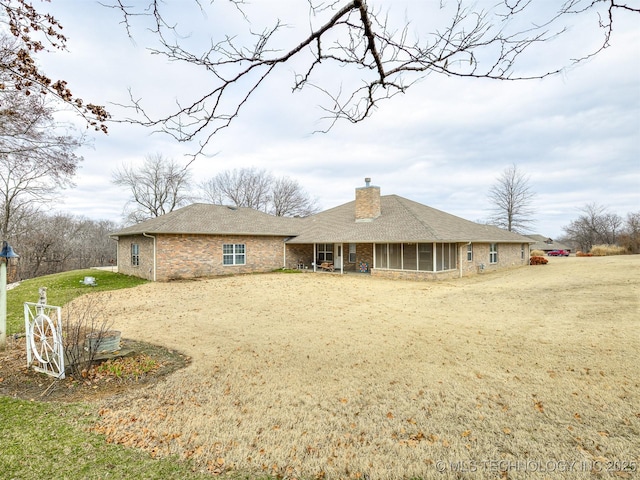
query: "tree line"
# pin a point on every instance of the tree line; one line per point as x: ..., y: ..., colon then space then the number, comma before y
x: 512, y: 198
x: 57, y: 243
x: 160, y: 184
x: 596, y: 225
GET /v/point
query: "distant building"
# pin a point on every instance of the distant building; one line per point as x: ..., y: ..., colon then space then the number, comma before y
x: 546, y: 244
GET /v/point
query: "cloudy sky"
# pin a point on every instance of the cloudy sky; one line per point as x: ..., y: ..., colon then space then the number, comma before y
x: 443, y: 143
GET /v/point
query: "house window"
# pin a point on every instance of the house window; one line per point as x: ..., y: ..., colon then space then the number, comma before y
x: 233, y: 254
x: 325, y: 252
x: 135, y: 255
x: 493, y: 253
x: 469, y: 253
x: 522, y: 251
x: 352, y: 253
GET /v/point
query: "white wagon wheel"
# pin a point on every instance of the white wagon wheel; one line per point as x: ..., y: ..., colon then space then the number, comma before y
x: 44, y: 339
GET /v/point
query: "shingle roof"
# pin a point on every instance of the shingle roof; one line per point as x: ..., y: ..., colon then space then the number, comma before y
x: 541, y: 243
x: 205, y: 219
x: 400, y: 220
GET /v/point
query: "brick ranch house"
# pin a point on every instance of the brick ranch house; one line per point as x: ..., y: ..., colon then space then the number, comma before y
x: 387, y: 236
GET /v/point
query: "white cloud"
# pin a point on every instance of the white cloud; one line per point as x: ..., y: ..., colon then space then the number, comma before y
x: 442, y: 144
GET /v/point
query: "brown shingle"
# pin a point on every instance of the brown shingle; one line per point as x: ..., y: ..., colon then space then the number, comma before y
x: 401, y: 220
x: 205, y: 219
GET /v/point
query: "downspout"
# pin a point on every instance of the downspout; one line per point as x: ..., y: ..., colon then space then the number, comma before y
x: 154, y: 254
x: 117, y: 240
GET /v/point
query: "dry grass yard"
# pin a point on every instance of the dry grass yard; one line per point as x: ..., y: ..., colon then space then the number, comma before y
x: 512, y: 375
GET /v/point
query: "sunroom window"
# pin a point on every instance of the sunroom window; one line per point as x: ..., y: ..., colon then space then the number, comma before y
x: 420, y: 256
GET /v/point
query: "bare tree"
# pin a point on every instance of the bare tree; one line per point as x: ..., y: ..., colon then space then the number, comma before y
x: 630, y: 237
x: 47, y: 248
x: 86, y: 324
x: 34, y: 33
x: 373, y: 44
x: 511, y: 198
x: 244, y: 187
x: 596, y: 226
x: 258, y: 189
x: 92, y: 245
x: 37, y: 156
x: 61, y: 242
x: 289, y: 199
x: 157, y: 187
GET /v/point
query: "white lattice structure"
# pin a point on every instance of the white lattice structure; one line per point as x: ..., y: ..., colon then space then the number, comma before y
x: 45, y: 351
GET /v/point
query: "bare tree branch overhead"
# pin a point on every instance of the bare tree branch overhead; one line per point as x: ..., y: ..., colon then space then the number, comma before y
x: 33, y: 32
x: 464, y: 40
x: 37, y: 157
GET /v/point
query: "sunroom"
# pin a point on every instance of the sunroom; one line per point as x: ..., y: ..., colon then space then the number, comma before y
x: 425, y: 257
x: 362, y: 257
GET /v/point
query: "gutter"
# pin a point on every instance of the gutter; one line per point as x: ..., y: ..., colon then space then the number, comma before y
x: 116, y: 239
x: 154, y: 254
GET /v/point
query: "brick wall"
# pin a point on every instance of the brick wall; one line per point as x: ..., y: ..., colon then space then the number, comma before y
x: 364, y: 253
x: 191, y: 256
x: 509, y: 255
x: 299, y: 254
x: 145, y: 245
x: 367, y: 203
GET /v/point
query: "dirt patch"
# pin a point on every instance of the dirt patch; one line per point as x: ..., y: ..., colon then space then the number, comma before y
x: 18, y: 381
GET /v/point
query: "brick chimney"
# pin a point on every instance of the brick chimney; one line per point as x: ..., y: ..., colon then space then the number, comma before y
x: 367, y: 202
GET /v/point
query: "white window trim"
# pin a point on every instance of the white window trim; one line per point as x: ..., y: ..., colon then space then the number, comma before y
x: 352, y: 253
x: 234, y: 254
x: 493, y: 253
x: 135, y: 255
